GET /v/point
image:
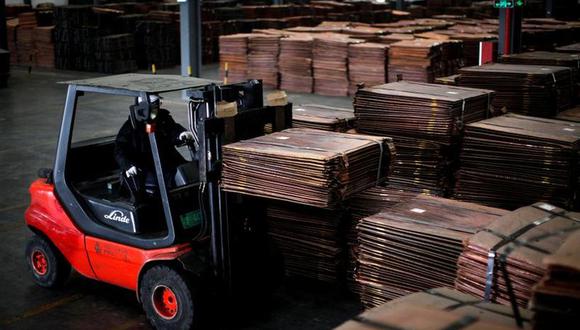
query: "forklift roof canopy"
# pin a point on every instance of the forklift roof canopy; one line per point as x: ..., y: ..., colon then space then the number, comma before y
x: 148, y: 83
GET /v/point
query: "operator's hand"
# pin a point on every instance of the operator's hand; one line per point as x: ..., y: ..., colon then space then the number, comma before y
x: 186, y: 136
x: 132, y: 171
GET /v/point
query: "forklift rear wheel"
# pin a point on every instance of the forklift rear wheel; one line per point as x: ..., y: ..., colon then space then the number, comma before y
x: 168, y: 299
x: 48, y: 267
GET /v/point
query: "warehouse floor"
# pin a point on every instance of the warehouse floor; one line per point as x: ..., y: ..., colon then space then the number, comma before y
x: 30, y: 113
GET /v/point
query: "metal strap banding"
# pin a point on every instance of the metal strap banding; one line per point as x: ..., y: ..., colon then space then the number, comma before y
x: 374, y: 324
x: 488, y: 112
x: 506, y: 240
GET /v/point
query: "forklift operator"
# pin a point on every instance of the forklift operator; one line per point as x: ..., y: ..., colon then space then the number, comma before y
x: 133, y: 150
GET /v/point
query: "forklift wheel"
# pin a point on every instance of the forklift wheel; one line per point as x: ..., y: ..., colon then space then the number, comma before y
x: 48, y: 267
x: 167, y: 297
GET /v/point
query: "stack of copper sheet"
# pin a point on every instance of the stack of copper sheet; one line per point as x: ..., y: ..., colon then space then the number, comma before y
x: 323, y: 117
x: 455, y: 303
x: 570, y: 114
x: 44, y: 45
x: 410, y: 317
x: 366, y: 203
x: 573, y: 48
x: 540, y: 91
x: 415, y: 60
x: 367, y: 65
x: 396, y: 37
x: 415, y: 245
x: 418, y: 110
x: 514, y: 160
x: 25, y: 52
x: 368, y: 33
x: 502, y: 262
x: 331, y: 63
x: 263, y: 58
x: 556, y: 298
x: 306, y: 166
x: 571, y: 61
x: 295, y: 63
x: 234, y: 55
x: 310, y: 239
x: 471, y: 43
x: 426, y: 121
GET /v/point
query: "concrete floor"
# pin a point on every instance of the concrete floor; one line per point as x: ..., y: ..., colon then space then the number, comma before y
x: 30, y: 113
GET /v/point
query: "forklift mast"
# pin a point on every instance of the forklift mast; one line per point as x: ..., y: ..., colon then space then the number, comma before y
x: 211, y: 132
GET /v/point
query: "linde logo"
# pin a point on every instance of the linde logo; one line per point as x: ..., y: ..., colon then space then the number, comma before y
x: 117, y: 215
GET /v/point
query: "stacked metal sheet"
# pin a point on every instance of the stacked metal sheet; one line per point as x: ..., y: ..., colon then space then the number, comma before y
x: 367, y: 65
x: 570, y: 114
x: 573, y: 48
x: 572, y: 61
x: 295, y: 63
x: 44, y: 46
x: 502, y: 262
x: 410, y: 317
x: 457, y: 303
x: 540, y: 91
x: 234, y: 55
x: 414, y: 60
x: 366, y: 203
x: 323, y: 117
x: 415, y: 245
x: 535, y: 157
x: 306, y: 166
x: 311, y: 240
x: 331, y: 63
x: 426, y: 121
x: 556, y: 298
x: 263, y: 58
x: 116, y: 54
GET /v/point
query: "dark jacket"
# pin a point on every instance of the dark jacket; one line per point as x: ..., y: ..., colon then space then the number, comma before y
x: 132, y: 147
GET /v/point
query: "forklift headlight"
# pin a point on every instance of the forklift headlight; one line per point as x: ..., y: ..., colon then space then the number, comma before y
x: 153, y: 114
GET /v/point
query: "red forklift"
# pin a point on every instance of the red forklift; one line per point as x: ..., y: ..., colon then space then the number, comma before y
x: 169, y: 248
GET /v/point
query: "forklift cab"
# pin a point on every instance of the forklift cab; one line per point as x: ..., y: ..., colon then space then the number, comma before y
x: 87, y: 178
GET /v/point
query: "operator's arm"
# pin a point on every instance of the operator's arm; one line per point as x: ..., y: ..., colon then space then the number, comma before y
x: 174, y: 129
x: 124, y: 154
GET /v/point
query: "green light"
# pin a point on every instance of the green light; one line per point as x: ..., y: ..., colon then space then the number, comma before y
x: 508, y: 3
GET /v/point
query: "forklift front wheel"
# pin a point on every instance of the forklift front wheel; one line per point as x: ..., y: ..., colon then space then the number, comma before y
x: 48, y: 267
x: 168, y: 299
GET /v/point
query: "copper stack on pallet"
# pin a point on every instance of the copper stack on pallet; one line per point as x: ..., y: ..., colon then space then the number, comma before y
x: 263, y: 58
x: 366, y: 203
x: 367, y: 65
x: 442, y: 300
x: 535, y: 157
x: 323, y: 117
x: 44, y: 45
x: 426, y: 121
x: 331, y: 64
x: 11, y: 28
x: 571, y: 61
x: 306, y: 166
x: 311, y: 240
x: 556, y: 298
x: 295, y: 63
x: 234, y: 55
x: 415, y: 245
x: 25, y: 39
x: 508, y: 253
x: 540, y: 91
x: 415, y: 60
x: 471, y: 45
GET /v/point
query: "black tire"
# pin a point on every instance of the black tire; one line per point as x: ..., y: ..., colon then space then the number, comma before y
x: 48, y: 267
x: 159, y: 279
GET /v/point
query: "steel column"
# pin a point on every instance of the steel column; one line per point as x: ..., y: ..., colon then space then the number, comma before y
x: 3, y: 35
x: 400, y: 5
x: 549, y: 8
x: 510, y: 30
x: 190, y: 37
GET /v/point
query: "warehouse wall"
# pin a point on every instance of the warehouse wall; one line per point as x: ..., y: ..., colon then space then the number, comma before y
x: 36, y: 2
